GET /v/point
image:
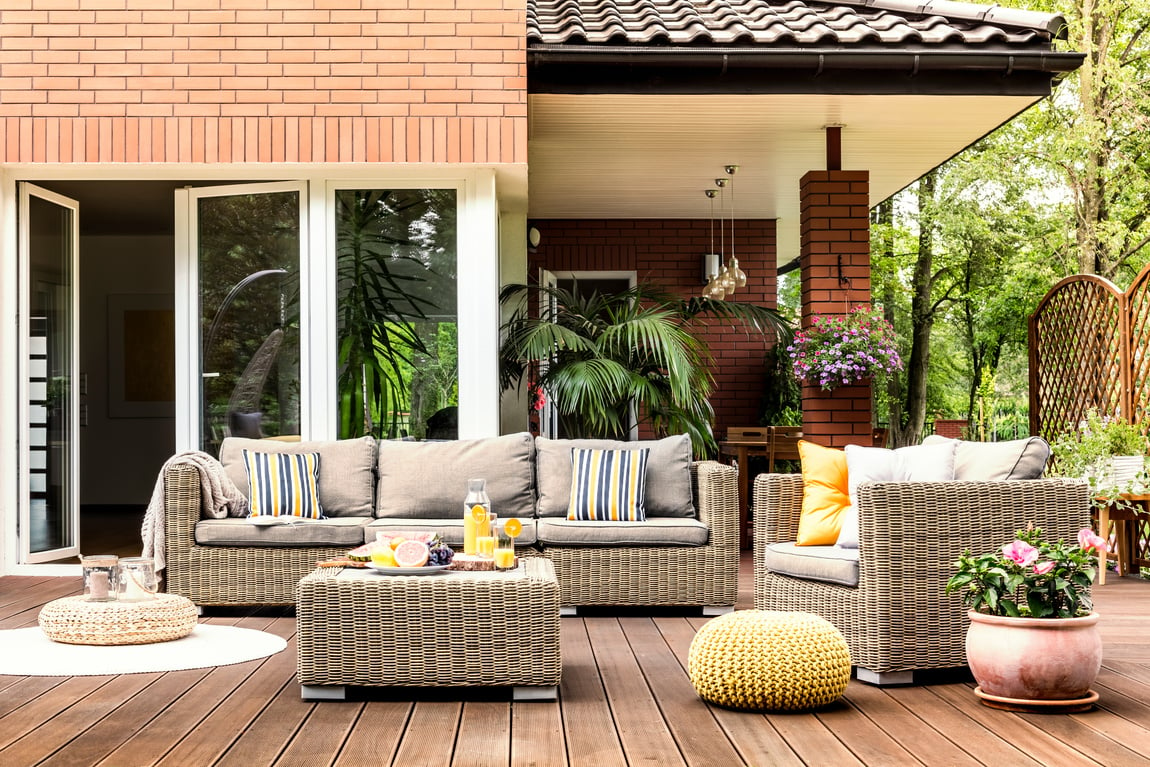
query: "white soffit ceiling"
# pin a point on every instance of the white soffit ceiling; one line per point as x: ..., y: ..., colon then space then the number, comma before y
x: 640, y: 156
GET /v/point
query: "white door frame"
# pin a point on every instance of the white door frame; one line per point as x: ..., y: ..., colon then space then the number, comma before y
x: 24, y: 421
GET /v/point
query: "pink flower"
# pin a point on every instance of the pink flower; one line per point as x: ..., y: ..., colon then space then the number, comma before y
x: 1042, y: 568
x: 1021, y: 553
x: 1088, y: 540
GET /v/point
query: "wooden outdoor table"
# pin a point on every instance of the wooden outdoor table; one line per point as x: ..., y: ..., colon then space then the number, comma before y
x: 775, y: 446
x: 1107, y: 513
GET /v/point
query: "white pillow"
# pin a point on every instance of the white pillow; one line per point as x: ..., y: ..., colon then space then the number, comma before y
x: 918, y: 463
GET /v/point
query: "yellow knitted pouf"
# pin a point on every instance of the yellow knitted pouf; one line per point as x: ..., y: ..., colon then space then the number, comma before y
x: 765, y: 660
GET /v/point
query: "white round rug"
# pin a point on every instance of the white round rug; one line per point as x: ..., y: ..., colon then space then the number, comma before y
x: 27, y: 652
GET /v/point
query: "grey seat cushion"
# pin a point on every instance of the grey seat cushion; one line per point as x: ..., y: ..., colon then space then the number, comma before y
x: 655, y: 531
x: 346, y: 470
x: 668, y: 491
x: 337, y: 531
x: 829, y: 564
x: 428, y: 480
x: 450, y: 530
x: 994, y: 461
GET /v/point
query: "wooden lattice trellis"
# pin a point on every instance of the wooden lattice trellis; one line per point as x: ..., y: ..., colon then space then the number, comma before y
x: 1089, y: 350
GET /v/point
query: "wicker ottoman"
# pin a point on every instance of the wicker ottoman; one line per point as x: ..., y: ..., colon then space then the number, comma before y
x: 764, y: 660
x: 74, y: 620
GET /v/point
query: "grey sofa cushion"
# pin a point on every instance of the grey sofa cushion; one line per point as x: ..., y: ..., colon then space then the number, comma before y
x: 450, y: 530
x: 994, y: 461
x: 829, y: 564
x: 655, y: 531
x: 346, y: 466
x: 428, y: 480
x: 668, y: 473
x: 337, y: 531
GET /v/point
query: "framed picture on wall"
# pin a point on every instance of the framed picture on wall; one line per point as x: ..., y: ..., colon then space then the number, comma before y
x: 141, y: 355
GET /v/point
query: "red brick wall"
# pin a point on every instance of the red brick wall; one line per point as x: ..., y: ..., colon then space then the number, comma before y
x: 263, y: 81
x: 835, y: 246
x: 669, y: 253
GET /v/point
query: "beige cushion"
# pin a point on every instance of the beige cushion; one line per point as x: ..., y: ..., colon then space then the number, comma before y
x: 995, y: 461
x: 450, y: 530
x: 337, y: 531
x: 668, y: 492
x: 655, y: 531
x: 829, y: 564
x: 345, y: 470
x: 428, y: 480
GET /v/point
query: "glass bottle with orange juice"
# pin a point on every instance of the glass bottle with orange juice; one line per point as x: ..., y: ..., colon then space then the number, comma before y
x: 476, y: 508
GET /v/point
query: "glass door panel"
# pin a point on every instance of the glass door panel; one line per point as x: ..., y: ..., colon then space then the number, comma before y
x: 397, y: 316
x: 247, y: 244
x: 49, y: 508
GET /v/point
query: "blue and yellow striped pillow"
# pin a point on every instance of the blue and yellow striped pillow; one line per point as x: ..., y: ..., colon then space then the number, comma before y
x: 283, y: 484
x: 608, y: 485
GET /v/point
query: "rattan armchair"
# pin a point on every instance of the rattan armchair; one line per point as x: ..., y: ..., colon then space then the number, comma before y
x: 899, y: 619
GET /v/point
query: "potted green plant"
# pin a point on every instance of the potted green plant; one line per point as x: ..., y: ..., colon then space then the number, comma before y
x: 1110, y: 453
x: 1033, y: 640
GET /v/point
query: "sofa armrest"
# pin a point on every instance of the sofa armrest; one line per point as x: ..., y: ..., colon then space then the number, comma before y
x: 716, y: 490
x: 181, y: 509
x: 911, y: 533
x: 777, y: 502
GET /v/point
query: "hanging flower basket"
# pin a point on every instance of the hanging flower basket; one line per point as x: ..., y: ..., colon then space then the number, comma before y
x: 838, y: 350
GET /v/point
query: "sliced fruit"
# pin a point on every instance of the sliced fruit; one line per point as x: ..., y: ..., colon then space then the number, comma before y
x: 362, y: 553
x: 396, y: 541
x: 513, y: 527
x: 478, y: 513
x: 411, y: 554
x: 383, y: 558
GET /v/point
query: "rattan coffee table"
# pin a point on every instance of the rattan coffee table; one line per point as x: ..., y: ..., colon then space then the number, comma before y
x: 447, y: 629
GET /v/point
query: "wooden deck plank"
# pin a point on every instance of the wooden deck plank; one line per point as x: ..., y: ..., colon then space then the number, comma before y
x: 484, y: 738
x: 1017, y: 731
x: 16, y: 691
x: 231, y: 718
x: 318, y: 740
x: 700, y: 738
x: 1102, y: 739
x: 642, y: 731
x: 23, y: 611
x: 375, y: 737
x: 592, y: 739
x: 430, y: 736
x: 869, y: 743
x: 184, y: 715
x: 537, y: 734
x: 42, y: 740
x: 904, y: 726
x: 811, y: 740
x: 26, y: 715
x: 751, y: 735
x: 984, y: 745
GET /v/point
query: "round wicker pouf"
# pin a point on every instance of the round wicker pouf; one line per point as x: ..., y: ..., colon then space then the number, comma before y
x: 774, y: 661
x: 75, y: 620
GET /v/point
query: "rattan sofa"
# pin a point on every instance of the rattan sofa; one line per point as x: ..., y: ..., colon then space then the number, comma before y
x: 631, y: 571
x: 898, y: 619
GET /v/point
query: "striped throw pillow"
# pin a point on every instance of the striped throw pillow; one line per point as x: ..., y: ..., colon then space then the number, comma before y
x: 608, y: 485
x: 283, y: 484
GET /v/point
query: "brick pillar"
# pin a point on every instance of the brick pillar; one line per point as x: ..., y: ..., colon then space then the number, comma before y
x: 835, y: 229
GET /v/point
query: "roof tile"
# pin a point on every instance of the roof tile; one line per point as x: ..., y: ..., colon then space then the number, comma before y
x: 790, y: 23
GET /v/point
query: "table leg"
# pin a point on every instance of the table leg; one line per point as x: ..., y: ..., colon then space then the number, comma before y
x: 1104, y: 532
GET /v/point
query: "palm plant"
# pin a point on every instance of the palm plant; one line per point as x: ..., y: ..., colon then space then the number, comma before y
x: 602, y: 356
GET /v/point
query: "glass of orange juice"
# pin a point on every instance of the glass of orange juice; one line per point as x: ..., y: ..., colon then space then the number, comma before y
x: 504, y: 553
x: 485, y: 536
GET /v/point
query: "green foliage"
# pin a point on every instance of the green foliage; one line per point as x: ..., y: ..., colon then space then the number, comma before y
x: 1087, y: 452
x: 1029, y: 577
x: 600, y: 356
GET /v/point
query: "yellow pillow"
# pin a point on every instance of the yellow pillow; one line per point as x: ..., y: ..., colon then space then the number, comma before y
x: 825, y: 495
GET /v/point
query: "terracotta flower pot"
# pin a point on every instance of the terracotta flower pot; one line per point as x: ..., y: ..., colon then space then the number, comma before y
x: 1034, y: 663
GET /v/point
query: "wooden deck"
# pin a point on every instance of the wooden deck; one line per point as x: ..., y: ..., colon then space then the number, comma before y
x: 625, y: 700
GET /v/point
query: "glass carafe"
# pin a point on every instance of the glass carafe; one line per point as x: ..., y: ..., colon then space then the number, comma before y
x: 476, y: 508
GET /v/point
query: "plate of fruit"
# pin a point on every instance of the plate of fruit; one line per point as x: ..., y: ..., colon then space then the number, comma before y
x: 406, y: 554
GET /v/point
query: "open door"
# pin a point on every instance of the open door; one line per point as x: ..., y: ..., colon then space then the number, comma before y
x: 238, y: 312
x: 49, y: 528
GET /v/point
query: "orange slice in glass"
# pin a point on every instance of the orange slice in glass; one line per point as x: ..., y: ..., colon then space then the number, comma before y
x: 513, y: 527
x: 478, y: 513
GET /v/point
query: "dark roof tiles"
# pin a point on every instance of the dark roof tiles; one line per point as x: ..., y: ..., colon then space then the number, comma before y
x: 794, y: 23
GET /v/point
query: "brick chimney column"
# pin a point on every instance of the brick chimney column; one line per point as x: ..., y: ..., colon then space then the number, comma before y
x: 834, y: 259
